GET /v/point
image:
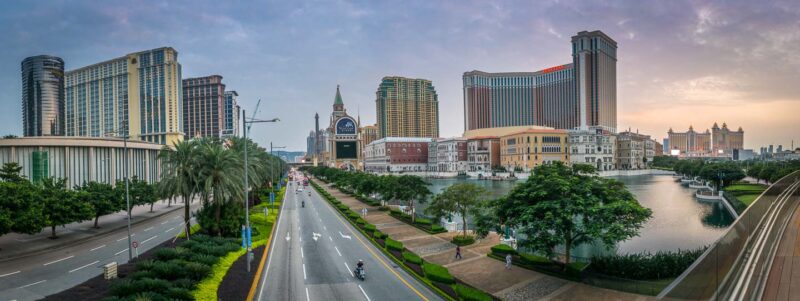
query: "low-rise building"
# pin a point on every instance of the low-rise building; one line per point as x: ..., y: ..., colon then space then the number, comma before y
x: 631, y: 150
x: 522, y: 151
x: 483, y: 153
x: 451, y: 155
x: 397, y: 154
x: 593, y: 146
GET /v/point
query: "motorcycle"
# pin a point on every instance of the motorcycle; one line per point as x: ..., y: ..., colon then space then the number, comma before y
x: 360, y: 274
x: 303, y: 204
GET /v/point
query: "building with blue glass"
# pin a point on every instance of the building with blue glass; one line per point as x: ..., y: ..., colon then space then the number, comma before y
x: 231, y: 114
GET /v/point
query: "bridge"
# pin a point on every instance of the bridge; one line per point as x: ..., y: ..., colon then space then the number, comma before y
x: 299, y: 164
x: 753, y: 260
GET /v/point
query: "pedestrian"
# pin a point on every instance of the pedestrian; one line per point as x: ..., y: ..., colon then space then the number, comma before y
x: 458, y: 252
x: 508, y: 261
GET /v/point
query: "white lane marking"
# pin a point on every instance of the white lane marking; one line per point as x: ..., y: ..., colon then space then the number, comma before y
x: 326, y: 228
x: 164, y: 222
x: 35, y: 283
x: 146, y: 240
x: 97, y: 248
x: 62, y: 259
x: 73, y: 270
x: 344, y: 236
x: 301, y: 253
x: 287, y: 236
x: 307, y: 298
x: 349, y: 270
x: 363, y: 292
x: 148, y: 229
x: 125, y: 237
x: 331, y: 238
x: 173, y: 228
x: 120, y: 252
x: 337, y: 251
x: 9, y: 274
x: 269, y: 258
x: 304, y: 271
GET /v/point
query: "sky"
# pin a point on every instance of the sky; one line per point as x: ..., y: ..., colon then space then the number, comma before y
x: 680, y: 63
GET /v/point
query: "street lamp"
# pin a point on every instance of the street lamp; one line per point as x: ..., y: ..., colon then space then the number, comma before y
x: 127, y: 191
x: 247, y: 124
x: 271, y: 172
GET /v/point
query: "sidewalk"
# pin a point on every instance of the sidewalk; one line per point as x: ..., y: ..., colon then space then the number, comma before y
x: 784, y: 276
x: 15, y: 245
x: 476, y: 268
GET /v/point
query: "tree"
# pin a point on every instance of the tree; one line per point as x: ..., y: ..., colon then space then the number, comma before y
x: 102, y: 198
x: 220, y: 174
x: 10, y: 172
x: 20, y: 210
x: 721, y: 173
x: 462, y: 198
x: 754, y: 172
x: 179, y: 167
x: 410, y: 189
x: 569, y: 206
x: 62, y: 206
x: 767, y: 171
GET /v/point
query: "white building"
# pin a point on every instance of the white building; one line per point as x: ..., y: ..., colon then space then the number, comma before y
x: 397, y: 154
x: 451, y: 155
x: 593, y: 146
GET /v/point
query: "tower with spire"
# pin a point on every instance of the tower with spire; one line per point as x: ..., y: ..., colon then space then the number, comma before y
x: 344, y: 147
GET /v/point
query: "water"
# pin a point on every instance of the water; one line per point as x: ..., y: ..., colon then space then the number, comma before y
x: 679, y: 220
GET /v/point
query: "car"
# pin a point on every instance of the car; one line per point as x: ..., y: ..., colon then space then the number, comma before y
x: 300, y: 189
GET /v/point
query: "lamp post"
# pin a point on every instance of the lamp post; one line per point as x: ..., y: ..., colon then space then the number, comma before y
x: 247, y: 124
x: 127, y: 190
x: 272, y: 175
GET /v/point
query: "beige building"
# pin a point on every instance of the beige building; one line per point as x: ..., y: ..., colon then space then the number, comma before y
x: 690, y: 142
x: 594, y: 146
x: 632, y: 150
x: 407, y: 107
x: 716, y: 142
x: 522, y: 151
x: 724, y: 141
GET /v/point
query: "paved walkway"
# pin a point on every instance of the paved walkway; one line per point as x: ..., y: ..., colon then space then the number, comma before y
x: 784, y: 276
x: 14, y: 245
x: 476, y: 268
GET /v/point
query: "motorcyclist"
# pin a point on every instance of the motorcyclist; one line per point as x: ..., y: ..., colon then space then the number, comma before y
x: 360, y: 268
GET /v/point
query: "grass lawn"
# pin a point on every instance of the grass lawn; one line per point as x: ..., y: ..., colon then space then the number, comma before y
x: 746, y: 193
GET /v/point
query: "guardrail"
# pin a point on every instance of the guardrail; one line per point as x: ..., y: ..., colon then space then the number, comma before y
x: 735, y: 267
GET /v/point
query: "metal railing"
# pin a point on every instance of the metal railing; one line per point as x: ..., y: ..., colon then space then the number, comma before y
x: 735, y: 267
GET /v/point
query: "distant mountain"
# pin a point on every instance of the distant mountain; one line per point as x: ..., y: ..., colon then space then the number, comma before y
x: 288, y: 156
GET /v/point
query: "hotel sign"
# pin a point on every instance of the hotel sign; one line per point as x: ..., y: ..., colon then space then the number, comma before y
x: 345, y: 126
x: 553, y: 69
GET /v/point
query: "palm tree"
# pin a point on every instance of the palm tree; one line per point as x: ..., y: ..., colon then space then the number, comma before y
x: 219, y: 178
x: 179, y: 169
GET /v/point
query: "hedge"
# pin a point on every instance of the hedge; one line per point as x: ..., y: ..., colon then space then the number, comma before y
x: 370, y: 227
x: 379, y: 235
x: 463, y: 241
x: 466, y: 293
x: 502, y: 250
x: 437, y: 273
x: 646, y: 266
x: 412, y: 258
x: 361, y: 221
x: 392, y: 244
x: 531, y: 259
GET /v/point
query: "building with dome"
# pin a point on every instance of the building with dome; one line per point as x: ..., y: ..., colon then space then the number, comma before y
x: 719, y: 141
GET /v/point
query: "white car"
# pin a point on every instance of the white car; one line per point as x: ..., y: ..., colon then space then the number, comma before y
x: 300, y: 189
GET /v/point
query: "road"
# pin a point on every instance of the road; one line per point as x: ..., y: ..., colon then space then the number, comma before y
x: 35, y: 277
x: 315, y: 251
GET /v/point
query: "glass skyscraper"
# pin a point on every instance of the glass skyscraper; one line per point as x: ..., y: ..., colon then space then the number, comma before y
x: 231, y: 114
x: 407, y: 107
x: 581, y: 94
x: 203, y: 106
x: 138, y: 94
x: 43, y: 96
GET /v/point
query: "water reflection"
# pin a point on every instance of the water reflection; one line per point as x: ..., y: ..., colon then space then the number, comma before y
x: 679, y: 220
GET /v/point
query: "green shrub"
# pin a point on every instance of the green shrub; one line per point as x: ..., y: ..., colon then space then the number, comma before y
x: 145, y: 265
x: 423, y: 221
x: 183, y: 283
x: 369, y: 227
x: 123, y: 287
x: 169, y: 270
x: 379, y: 235
x: 352, y: 215
x: 383, y: 208
x: 143, y: 274
x: 463, y: 240
x: 197, y: 271
x: 392, y: 244
x: 530, y: 259
x: 179, y: 293
x: 437, y: 273
x: 361, y: 221
x: 149, y: 285
x: 412, y: 258
x: 437, y: 228
x: 646, y: 266
x: 166, y: 254
x: 149, y: 296
x: 466, y: 293
x: 502, y: 250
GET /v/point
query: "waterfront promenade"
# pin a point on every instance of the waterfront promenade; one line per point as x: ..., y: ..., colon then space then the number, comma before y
x: 783, y: 283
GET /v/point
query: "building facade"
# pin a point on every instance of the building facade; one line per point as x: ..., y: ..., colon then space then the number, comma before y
x: 725, y: 140
x: 483, y: 153
x: 82, y: 159
x: 632, y: 151
x: 522, y: 151
x: 203, y: 106
x: 139, y: 95
x: 343, y: 138
x: 397, y: 154
x: 451, y: 155
x: 43, y: 96
x: 407, y: 107
x: 231, y: 111
x: 690, y: 143
x: 582, y: 93
x: 594, y: 146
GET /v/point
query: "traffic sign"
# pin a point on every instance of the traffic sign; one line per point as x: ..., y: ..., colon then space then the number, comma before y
x: 135, y: 244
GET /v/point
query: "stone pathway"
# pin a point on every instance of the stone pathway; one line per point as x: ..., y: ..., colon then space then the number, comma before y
x: 476, y: 268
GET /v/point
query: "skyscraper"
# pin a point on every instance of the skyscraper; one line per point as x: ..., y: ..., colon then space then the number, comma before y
x: 203, y: 106
x: 138, y: 94
x: 581, y: 94
x: 407, y: 107
x: 232, y: 110
x: 43, y: 96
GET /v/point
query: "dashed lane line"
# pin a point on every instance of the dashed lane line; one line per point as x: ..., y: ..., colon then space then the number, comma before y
x: 9, y: 274
x: 304, y: 271
x: 363, y: 292
x: 337, y: 251
x: 35, y: 283
x: 146, y: 240
x: 349, y: 270
x: 62, y: 259
x: 125, y: 237
x: 148, y: 229
x: 307, y: 298
x: 98, y: 247
x: 76, y: 269
x: 120, y: 252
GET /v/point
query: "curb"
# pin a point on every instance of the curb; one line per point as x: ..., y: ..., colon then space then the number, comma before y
x: 81, y: 240
x: 267, y: 250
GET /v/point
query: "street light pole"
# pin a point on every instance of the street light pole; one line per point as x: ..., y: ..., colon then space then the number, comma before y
x: 127, y: 191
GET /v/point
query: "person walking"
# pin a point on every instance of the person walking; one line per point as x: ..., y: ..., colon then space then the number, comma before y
x: 508, y: 261
x: 458, y: 252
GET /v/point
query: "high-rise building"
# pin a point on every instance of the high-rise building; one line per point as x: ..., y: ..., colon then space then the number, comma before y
x: 581, y: 94
x: 203, y: 106
x: 232, y: 110
x: 690, y: 142
x: 43, y: 96
x: 369, y: 133
x: 407, y: 107
x: 138, y: 94
x: 725, y: 140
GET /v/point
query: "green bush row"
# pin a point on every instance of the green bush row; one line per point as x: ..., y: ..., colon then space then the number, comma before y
x: 463, y: 240
x: 412, y: 258
x: 502, y: 250
x: 392, y: 244
x: 466, y: 293
x: 437, y: 273
x: 646, y: 266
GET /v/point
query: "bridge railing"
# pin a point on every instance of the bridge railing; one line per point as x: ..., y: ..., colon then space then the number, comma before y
x: 713, y: 275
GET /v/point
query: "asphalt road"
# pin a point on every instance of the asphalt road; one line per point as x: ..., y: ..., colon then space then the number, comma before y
x: 315, y: 251
x: 35, y: 277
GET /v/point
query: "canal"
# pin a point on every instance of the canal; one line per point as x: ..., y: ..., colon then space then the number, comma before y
x: 679, y: 220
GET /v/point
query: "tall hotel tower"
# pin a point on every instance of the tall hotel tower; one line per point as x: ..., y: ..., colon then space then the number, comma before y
x: 43, y: 96
x: 138, y: 94
x: 407, y: 107
x: 578, y: 95
x: 203, y: 106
